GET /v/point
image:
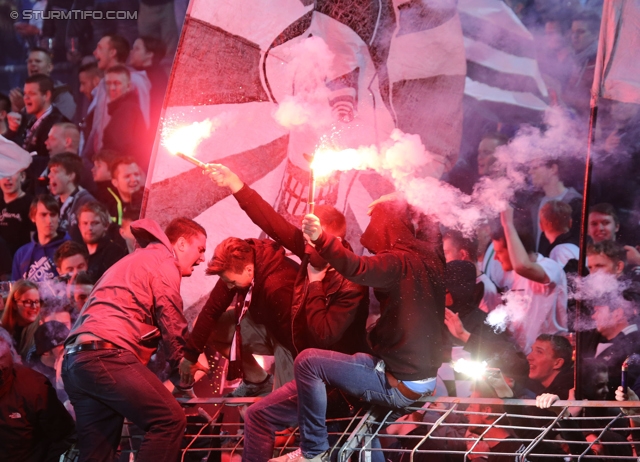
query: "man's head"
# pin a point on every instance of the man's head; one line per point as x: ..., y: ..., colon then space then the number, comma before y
x: 89, y: 77
x: 38, y: 91
x: 584, y: 31
x: 63, y: 137
x: 82, y: 287
x: 5, y: 107
x: 49, y: 339
x: 39, y: 62
x: 486, y: 152
x: 458, y: 247
x: 45, y: 213
x: 612, y: 317
x: 502, y: 251
x: 555, y: 217
x: 126, y: 176
x: 93, y: 222
x: 603, y: 223
x: 234, y: 261
x: 71, y: 258
x: 146, y: 51
x: 102, y: 161
x: 65, y: 171
x: 333, y: 221
x: 189, y: 241
x: 111, y: 50
x: 555, y: 34
x: 607, y: 256
x: 549, y: 355
x: 544, y: 172
x: 11, y: 185
x: 597, y: 387
x: 480, y: 415
x: 118, y: 81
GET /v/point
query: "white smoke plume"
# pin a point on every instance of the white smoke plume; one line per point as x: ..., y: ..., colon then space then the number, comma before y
x: 511, y: 312
x: 310, y: 64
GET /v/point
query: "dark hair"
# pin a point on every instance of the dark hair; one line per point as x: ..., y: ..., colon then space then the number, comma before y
x: 107, y: 156
x: 91, y: 68
x: 119, y: 69
x: 525, y: 236
x: 610, y: 249
x: 591, y: 18
x: 96, y: 208
x: 557, y: 214
x: 124, y: 160
x: 462, y: 243
x: 45, y: 84
x: 49, y: 202
x: 69, y: 249
x: 121, y: 45
x: 486, y: 391
x: 561, y: 348
x: 155, y: 46
x: 183, y: 227
x: 71, y: 163
x: 231, y: 254
x: 605, y: 209
x: 332, y: 220
x: 5, y: 103
x: 131, y: 215
x: 84, y: 278
x: 42, y: 50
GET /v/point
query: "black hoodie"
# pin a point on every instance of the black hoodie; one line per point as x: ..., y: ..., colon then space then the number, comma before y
x: 407, y: 275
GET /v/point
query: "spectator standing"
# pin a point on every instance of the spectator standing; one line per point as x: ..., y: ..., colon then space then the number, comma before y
x: 31, y: 131
x: 603, y: 223
x: 15, y: 225
x: 126, y: 177
x: 65, y: 173
x: 555, y: 223
x: 63, y: 137
x: 34, y: 261
x: 71, y: 258
x: 21, y: 315
x: 540, y: 280
x: 126, y: 131
x: 111, y: 50
x: 39, y: 62
x: 93, y: 221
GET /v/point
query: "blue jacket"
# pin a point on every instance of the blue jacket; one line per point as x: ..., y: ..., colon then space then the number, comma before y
x: 35, y: 262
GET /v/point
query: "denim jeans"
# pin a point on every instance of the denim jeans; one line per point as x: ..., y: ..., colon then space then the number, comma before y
x: 105, y: 386
x: 305, y: 400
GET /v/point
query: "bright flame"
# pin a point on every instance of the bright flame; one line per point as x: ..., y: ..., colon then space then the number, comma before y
x: 186, y: 139
x: 474, y: 369
x: 325, y: 161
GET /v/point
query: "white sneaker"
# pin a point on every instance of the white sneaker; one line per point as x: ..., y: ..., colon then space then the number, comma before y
x: 296, y: 456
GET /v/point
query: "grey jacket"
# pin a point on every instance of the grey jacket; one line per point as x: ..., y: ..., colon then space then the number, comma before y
x: 137, y: 301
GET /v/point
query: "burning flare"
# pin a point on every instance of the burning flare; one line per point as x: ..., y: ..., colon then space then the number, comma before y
x: 474, y: 369
x: 326, y: 161
x: 185, y: 139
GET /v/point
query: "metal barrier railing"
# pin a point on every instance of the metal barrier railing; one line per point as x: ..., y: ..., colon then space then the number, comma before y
x: 440, y: 431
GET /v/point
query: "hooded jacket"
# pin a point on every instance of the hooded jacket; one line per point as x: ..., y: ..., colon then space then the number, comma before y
x: 34, y: 261
x: 139, y: 297
x: 329, y: 314
x: 407, y: 275
x: 274, y: 275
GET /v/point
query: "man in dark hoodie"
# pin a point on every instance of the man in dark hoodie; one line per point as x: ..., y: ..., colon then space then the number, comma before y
x: 258, y: 275
x: 407, y: 274
x: 328, y: 311
x: 135, y: 304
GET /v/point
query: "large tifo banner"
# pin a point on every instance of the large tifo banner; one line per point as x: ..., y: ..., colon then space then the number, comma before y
x: 271, y: 81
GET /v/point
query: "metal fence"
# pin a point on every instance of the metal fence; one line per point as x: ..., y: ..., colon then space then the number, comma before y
x: 442, y: 430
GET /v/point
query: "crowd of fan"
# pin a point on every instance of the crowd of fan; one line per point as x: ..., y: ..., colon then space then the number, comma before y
x: 65, y: 220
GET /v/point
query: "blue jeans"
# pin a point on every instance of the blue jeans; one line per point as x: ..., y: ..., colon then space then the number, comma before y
x: 305, y: 400
x: 105, y: 386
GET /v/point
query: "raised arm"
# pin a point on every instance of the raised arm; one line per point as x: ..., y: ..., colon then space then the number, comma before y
x: 259, y: 210
x: 520, y: 260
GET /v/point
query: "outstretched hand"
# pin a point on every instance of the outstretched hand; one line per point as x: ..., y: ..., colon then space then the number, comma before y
x: 312, y: 227
x: 224, y: 177
x: 454, y: 324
